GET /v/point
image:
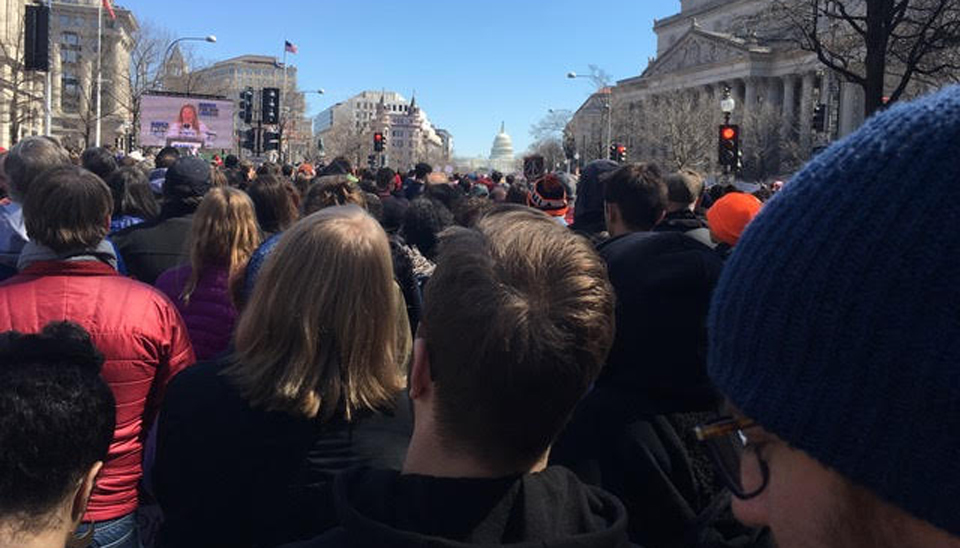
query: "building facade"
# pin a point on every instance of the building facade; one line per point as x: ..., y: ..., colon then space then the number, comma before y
x: 704, y: 52
x: 347, y: 128
x: 73, y: 60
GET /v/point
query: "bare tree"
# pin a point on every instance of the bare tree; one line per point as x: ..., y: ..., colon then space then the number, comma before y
x: 551, y: 148
x: 149, y: 43
x: 879, y: 45
x: 345, y: 138
x: 674, y: 129
x: 551, y: 125
x: 18, y: 83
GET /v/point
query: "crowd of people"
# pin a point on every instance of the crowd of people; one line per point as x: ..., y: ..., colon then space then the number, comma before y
x: 206, y: 355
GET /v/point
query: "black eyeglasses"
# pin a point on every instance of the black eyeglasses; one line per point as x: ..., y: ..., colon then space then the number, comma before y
x: 728, y: 447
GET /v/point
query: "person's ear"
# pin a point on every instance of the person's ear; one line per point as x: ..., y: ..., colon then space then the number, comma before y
x: 421, y: 381
x: 82, y: 496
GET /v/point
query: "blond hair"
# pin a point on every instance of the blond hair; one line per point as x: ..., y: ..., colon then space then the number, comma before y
x: 224, y: 232
x: 321, y: 334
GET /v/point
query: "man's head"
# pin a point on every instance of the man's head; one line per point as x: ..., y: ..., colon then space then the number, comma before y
x: 834, y: 327
x: 421, y: 171
x: 634, y: 198
x: 68, y: 209
x: 517, y: 322
x: 29, y: 158
x: 56, y: 424
x: 166, y: 157
x: 684, y: 189
x: 385, y: 179
x: 98, y: 161
x: 187, y: 180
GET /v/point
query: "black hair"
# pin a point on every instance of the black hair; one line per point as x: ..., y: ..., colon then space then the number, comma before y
x: 421, y: 170
x: 339, y: 166
x: 99, y: 161
x: 496, y: 176
x: 166, y: 157
x: 517, y: 194
x: 385, y: 178
x: 131, y: 194
x: 57, y: 418
x: 422, y: 223
x: 287, y: 170
x: 231, y: 161
x: 639, y: 192
x: 448, y: 195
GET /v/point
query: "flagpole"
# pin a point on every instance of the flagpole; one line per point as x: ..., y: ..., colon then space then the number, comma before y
x: 99, y: 66
x: 283, y: 100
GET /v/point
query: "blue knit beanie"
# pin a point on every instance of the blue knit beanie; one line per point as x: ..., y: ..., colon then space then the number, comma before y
x: 836, y: 322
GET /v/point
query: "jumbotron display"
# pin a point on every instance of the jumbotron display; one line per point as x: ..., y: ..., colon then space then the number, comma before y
x: 188, y: 122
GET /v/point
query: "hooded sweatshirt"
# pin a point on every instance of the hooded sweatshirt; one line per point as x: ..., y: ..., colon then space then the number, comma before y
x: 548, y: 509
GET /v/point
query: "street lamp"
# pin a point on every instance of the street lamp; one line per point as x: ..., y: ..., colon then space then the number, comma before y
x: 607, y: 107
x: 727, y: 104
x: 210, y: 38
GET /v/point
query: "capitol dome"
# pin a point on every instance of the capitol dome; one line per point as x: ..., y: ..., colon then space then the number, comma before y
x: 502, y: 146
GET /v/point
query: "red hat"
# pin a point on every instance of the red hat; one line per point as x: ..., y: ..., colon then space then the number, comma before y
x: 731, y: 214
x: 549, y: 196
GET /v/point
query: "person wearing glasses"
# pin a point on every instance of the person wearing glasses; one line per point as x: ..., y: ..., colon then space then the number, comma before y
x: 835, y: 336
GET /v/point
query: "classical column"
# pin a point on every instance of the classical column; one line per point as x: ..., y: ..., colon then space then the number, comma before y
x: 787, y: 127
x: 749, y: 96
x: 806, y: 112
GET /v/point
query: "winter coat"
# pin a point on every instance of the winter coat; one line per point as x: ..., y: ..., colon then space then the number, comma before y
x: 210, y: 315
x: 547, y: 509
x: 152, y: 247
x: 230, y: 475
x: 139, y: 332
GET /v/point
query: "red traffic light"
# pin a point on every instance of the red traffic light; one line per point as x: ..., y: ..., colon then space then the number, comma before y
x: 728, y: 133
x: 377, y: 137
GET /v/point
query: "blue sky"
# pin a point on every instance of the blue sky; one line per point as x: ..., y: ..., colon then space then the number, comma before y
x: 472, y: 63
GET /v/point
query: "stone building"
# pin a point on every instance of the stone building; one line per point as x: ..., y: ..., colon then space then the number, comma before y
x: 73, y: 66
x: 704, y: 50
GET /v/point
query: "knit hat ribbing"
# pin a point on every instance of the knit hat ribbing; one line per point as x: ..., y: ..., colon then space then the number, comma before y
x: 836, y: 322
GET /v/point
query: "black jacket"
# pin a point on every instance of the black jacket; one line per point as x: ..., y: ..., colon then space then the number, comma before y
x: 379, y: 508
x: 632, y: 434
x: 148, y: 249
x: 232, y: 476
x: 680, y: 221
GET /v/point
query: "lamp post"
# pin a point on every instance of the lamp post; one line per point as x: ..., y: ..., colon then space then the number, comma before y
x: 163, y: 61
x: 607, y: 107
x: 727, y: 104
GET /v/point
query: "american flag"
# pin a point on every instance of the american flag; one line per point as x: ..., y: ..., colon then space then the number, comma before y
x: 106, y: 4
x: 287, y: 44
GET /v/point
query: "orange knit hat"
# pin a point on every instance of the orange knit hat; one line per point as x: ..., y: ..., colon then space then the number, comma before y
x: 731, y: 214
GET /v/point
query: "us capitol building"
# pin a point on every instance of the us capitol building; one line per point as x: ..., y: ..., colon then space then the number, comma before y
x: 699, y: 52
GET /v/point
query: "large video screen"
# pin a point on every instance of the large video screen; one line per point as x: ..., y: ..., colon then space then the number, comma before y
x: 190, y: 122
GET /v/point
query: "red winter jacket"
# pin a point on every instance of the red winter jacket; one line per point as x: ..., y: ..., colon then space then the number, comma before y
x: 140, y: 334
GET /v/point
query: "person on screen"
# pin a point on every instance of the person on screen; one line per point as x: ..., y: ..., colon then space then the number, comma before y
x: 189, y: 127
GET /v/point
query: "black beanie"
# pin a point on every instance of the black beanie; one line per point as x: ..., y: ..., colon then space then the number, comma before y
x: 188, y: 177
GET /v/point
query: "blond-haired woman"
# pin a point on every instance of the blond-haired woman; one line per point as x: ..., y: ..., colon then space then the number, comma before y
x: 223, y: 236
x: 248, y: 445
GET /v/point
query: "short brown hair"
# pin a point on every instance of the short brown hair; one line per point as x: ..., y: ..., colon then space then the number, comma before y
x: 639, y: 192
x: 684, y: 186
x: 66, y: 209
x: 27, y: 159
x: 518, y: 320
x: 332, y: 190
x: 322, y: 333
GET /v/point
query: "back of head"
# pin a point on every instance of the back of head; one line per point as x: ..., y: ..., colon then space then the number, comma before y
x: 287, y: 170
x: 56, y: 422
x: 275, y: 202
x: 423, y: 221
x: 231, y: 161
x: 67, y: 209
x: 166, y: 157
x: 268, y: 169
x: 588, y: 210
x: 684, y: 188
x: 224, y: 233
x: 99, y: 161
x: 548, y: 195
x: 327, y: 358
x: 339, y: 166
x: 187, y: 180
x: 730, y: 215
x: 27, y: 159
x: 126, y: 186
x: 385, y: 179
x: 332, y: 190
x: 518, y: 319
x: 421, y: 170
x: 834, y: 324
x: 638, y: 191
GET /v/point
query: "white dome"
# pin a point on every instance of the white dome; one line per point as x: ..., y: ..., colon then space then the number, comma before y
x: 502, y: 146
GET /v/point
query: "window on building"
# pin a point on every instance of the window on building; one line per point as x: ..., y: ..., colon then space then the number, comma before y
x: 70, y: 39
x: 69, y: 56
x: 64, y: 20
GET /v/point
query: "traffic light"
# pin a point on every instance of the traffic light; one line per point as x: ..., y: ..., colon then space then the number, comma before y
x: 246, y: 105
x: 729, y: 146
x: 271, y: 140
x: 378, y: 142
x: 613, y: 151
x: 250, y: 139
x: 372, y: 161
x: 621, y: 154
x: 819, y: 118
x: 270, y: 105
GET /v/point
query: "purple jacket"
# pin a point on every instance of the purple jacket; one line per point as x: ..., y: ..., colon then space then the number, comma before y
x: 210, y: 316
